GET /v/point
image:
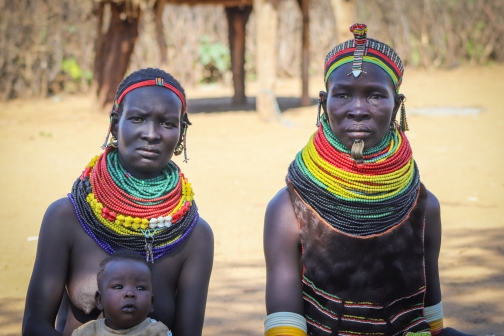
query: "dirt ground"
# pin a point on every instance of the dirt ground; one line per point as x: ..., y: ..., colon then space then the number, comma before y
x: 239, y: 162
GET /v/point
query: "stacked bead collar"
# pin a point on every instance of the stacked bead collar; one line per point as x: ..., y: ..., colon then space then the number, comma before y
x: 357, y: 199
x: 120, y: 211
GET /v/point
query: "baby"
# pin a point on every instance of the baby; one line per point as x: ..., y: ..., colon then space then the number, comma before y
x: 125, y: 297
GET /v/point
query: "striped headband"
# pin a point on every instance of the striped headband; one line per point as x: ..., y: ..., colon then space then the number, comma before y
x: 151, y: 82
x: 363, y: 49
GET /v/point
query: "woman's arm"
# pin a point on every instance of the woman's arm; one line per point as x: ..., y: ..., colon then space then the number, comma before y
x: 432, y: 247
x: 192, y: 286
x: 282, y: 249
x: 50, y: 270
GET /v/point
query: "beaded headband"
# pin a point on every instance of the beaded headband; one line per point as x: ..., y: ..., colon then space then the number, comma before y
x: 362, y: 49
x: 151, y: 82
x: 139, y: 84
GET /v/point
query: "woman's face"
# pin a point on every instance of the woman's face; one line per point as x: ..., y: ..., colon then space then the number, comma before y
x: 361, y: 107
x: 148, y: 130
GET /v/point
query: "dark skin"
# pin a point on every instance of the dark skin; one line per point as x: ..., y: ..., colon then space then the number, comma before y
x: 148, y: 131
x: 125, y: 294
x: 357, y: 108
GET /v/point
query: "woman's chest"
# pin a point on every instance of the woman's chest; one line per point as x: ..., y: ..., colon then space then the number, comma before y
x: 85, y: 260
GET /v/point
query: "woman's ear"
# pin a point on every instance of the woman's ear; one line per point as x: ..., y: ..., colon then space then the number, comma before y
x: 98, y: 300
x: 323, y: 98
x: 398, y: 99
x: 114, y: 122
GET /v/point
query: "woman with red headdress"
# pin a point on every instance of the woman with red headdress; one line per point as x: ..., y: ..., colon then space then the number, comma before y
x: 132, y: 196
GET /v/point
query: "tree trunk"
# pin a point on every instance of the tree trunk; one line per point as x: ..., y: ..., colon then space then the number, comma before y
x: 237, y: 18
x: 305, y: 52
x: 266, y: 57
x: 160, y: 37
x: 113, y: 51
x: 344, y: 13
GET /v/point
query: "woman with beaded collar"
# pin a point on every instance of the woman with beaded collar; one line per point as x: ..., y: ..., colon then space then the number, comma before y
x: 134, y: 197
x: 352, y: 243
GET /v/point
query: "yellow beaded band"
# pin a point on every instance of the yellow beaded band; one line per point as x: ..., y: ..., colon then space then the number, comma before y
x: 123, y: 224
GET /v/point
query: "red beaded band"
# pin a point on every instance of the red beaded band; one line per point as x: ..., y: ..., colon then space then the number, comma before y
x: 151, y: 82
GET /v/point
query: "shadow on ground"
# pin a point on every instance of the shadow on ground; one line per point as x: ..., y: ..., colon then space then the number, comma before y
x: 236, y: 304
x: 11, y: 315
x: 472, y: 276
x: 223, y: 104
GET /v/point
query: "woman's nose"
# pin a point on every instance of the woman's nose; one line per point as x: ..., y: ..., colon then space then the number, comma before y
x: 150, y: 133
x: 358, y: 111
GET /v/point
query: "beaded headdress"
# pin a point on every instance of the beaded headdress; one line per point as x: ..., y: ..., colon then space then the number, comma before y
x: 363, y: 49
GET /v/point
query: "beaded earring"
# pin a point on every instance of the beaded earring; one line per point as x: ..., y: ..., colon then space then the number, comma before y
x: 113, y: 142
x: 182, y: 145
x: 403, y: 123
x: 321, y: 97
x: 105, y: 143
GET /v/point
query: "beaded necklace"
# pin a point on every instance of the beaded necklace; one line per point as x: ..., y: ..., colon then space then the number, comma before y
x: 357, y: 199
x: 151, y: 216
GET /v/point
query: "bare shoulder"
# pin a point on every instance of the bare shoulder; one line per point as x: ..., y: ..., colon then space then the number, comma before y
x: 58, y: 217
x: 202, y: 230
x: 201, y: 241
x: 280, y: 222
x: 61, y: 207
x: 280, y: 201
x: 280, y: 211
x: 433, y: 208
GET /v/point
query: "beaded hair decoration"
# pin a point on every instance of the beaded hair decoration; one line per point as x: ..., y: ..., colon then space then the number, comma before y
x: 363, y: 49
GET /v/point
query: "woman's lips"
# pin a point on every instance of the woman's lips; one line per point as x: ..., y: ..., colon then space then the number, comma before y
x: 148, y: 152
x: 360, y: 134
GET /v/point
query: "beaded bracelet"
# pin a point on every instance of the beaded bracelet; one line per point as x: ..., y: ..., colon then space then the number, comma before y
x: 285, y: 324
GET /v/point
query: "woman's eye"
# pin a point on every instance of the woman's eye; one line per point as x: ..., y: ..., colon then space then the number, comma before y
x: 341, y: 95
x: 167, y: 124
x: 376, y: 96
x: 117, y: 287
x: 136, y: 119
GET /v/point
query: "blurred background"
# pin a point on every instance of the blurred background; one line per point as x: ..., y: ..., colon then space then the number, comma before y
x: 252, y: 71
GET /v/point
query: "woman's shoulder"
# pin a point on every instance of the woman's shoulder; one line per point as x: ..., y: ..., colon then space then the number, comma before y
x: 203, y: 228
x: 59, y: 222
x: 59, y: 213
x: 201, y: 240
x: 281, y: 199
x: 280, y: 204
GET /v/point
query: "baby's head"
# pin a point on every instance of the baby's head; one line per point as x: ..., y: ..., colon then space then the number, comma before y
x: 124, y: 289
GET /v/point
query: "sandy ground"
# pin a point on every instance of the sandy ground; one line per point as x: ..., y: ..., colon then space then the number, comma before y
x: 239, y: 162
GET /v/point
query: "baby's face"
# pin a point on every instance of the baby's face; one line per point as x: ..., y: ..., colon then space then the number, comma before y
x: 125, y: 294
